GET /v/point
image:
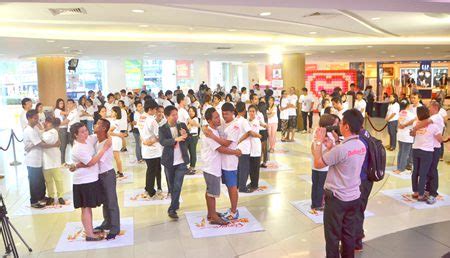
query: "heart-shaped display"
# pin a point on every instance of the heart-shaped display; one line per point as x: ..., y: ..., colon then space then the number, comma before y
x: 328, y: 80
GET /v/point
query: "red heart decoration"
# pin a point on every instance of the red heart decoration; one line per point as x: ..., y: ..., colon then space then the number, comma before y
x: 328, y: 80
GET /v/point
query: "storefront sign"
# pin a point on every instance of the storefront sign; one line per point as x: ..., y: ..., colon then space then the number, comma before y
x: 184, y: 69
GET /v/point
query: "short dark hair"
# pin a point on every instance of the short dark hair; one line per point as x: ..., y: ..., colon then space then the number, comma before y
x: 118, y: 112
x: 253, y: 106
x: 326, y: 120
x: 354, y: 119
x: 74, y: 129
x: 240, y: 107
x: 55, y: 121
x: 110, y: 95
x: 30, y: 113
x: 327, y: 110
x: 71, y: 100
x: 422, y: 113
x: 336, y: 100
x: 169, y: 109
x: 243, y: 89
x: 227, y: 106
x: 359, y: 93
x: 180, y: 97
x: 121, y: 101
x: 252, y: 96
x: 105, y: 123
x: 150, y: 104
x: 168, y: 92
x: 217, y: 96
x: 90, y: 92
x: 123, y: 91
x: 209, y: 112
x: 304, y: 89
x: 137, y: 102
x: 143, y: 92
x: 25, y: 100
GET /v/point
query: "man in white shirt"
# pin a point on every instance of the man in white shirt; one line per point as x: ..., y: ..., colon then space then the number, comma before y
x: 183, y: 114
x: 33, y: 159
x: 110, y: 104
x: 124, y: 97
x: 107, y: 178
x: 307, y: 102
x: 338, y: 108
x: 27, y: 104
x: 151, y: 150
x: 212, y: 154
x: 244, y: 95
x: 95, y: 101
x: 229, y: 137
x: 293, y: 99
x: 72, y: 116
x: 360, y: 103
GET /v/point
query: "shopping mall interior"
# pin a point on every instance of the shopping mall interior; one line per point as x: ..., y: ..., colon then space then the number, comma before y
x: 395, y: 46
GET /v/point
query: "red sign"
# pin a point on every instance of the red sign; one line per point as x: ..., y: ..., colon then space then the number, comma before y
x: 316, y: 81
x: 310, y: 67
x: 184, y: 69
x: 274, y: 72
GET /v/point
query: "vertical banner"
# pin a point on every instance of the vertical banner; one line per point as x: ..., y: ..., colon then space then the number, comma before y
x: 133, y: 74
x: 424, y: 74
x: 359, y: 67
x: 184, y: 69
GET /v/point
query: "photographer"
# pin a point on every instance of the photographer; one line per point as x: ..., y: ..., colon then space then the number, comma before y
x: 342, y: 191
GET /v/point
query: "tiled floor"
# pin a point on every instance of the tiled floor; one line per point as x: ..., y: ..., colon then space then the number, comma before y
x: 288, y: 233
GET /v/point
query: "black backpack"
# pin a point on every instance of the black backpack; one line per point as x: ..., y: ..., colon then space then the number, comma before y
x: 376, y: 157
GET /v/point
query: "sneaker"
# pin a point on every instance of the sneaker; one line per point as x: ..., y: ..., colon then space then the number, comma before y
x: 173, y: 215
x: 123, y: 150
x: 431, y: 200
x: 50, y: 201
x: 37, y: 206
x: 61, y: 201
x: 263, y: 165
x: 110, y: 236
x: 230, y: 215
x: 409, y: 167
x: 120, y: 174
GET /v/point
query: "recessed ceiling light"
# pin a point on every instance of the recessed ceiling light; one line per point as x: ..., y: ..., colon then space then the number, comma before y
x: 427, y: 47
x: 391, y: 56
x: 332, y: 51
x: 151, y: 46
x: 312, y: 32
x: 51, y: 41
x: 383, y: 52
x: 138, y: 11
x: 143, y: 26
x: 370, y: 46
x: 65, y: 47
x: 265, y: 14
x: 190, y: 28
x: 375, y: 18
x: 231, y: 30
x: 205, y: 54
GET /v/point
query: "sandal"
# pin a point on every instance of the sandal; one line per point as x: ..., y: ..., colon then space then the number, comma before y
x: 93, y: 239
x: 220, y: 222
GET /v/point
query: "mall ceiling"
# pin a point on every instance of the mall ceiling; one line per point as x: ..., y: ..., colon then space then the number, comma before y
x: 228, y: 30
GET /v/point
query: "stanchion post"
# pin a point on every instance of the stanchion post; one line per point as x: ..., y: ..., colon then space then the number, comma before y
x: 15, y: 162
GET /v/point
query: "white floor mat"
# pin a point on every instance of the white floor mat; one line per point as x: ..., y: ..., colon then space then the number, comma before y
x: 201, y: 228
x: 403, y: 195
x: 128, y: 178
x: 72, y: 238
x: 137, y: 198
x: 273, y: 166
x: 25, y: 209
x: 316, y: 216
x: 306, y: 178
x: 405, y: 175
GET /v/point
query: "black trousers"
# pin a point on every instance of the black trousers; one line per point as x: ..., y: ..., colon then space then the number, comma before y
x: 255, y: 164
x: 153, y: 171
x: 339, y: 219
x: 365, y: 188
x: 192, y: 148
x: 307, y: 116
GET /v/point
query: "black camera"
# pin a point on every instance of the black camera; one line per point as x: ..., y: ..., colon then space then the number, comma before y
x: 332, y: 128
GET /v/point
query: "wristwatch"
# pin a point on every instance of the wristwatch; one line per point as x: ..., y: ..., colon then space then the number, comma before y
x: 318, y: 143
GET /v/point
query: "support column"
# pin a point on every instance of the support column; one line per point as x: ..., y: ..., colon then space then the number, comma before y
x: 201, y: 73
x: 51, y: 72
x: 253, y: 77
x: 294, y: 76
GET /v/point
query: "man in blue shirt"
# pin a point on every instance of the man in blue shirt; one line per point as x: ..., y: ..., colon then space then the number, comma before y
x: 365, y: 188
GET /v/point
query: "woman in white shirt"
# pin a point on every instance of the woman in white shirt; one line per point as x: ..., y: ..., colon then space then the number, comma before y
x: 40, y: 110
x: 90, y: 110
x: 60, y: 112
x: 255, y: 151
x: 405, y: 140
x: 123, y: 124
x: 87, y: 192
x: 117, y: 137
x: 193, y: 124
x: 82, y: 111
x: 205, y: 107
x: 51, y: 162
x: 392, y: 121
x: 284, y: 115
x: 272, y: 123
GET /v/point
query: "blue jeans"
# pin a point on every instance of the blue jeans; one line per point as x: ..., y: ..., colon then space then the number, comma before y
x: 403, y: 155
x: 317, y: 192
x: 37, y: 184
x: 392, y: 130
x: 90, y: 126
x: 422, y: 164
x: 137, y: 139
x: 175, y: 177
x: 433, y: 175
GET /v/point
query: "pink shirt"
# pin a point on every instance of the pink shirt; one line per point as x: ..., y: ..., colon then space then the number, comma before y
x: 345, y: 162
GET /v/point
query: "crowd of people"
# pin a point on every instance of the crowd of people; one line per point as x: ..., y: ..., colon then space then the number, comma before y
x: 238, y: 133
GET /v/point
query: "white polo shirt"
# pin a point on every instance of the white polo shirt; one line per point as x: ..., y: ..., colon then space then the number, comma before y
x: 150, y: 130
x: 211, y: 156
x: 105, y: 164
x: 31, y: 137
x: 231, y: 132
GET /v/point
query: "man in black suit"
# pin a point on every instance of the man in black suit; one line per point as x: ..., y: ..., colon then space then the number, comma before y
x: 172, y: 136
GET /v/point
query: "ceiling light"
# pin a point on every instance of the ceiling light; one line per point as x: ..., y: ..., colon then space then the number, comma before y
x: 332, y: 51
x: 143, y: 26
x: 375, y: 18
x: 265, y: 14
x: 426, y: 47
x: 370, y: 46
x: 51, y: 41
x: 190, y: 28
x: 151, y: 46
x: 231, y: 30
x: 391, y: 56
x: 383, y: 52
x: 313, y: 33
x: 65, y: 47
x: 138, y: 11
